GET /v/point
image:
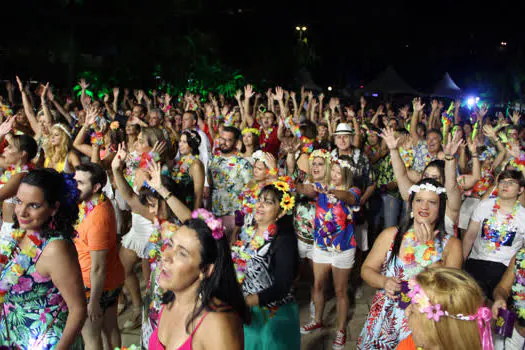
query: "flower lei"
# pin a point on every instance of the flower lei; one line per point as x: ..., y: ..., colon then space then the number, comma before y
x: 22, y: 261
x: 426, y: 187
x: 182, y: 167
x: 407, y: 155
x: 13, y: 170
x: 158, y: 246
x: 85, y: 208
x: 518, y: 287
x: 266, y: 137
x: 320, y: 153
x: 97, y: 138
x: 496, y: 233
x: 5, y: 110
x: 417, y: 255
x: 242, y: 253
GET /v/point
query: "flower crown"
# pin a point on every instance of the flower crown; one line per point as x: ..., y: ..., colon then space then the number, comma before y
x: 285, y: 185
x: 320, y: 153
x: 213, y: 223
x: 418, y: 297
x: 426, y: 187
x: 261, y: 156
x: 251, y: 130
x: 63, y: 128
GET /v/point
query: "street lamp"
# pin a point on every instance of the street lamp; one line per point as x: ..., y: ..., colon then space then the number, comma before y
x: 301, y: 30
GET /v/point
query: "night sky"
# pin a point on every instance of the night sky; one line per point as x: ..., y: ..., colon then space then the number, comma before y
x: 352, y: 41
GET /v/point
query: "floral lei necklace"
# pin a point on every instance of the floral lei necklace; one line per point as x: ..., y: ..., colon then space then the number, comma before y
x: 496, y: 232
x: 182, y: 167
x: 85, y: 208
x: 518, y: 287
x: 22, y: 261
x: 417, y: 256
x: 266, y: 136
x: 158, y: 245
x: 246, y: 248
x: 13, y: 170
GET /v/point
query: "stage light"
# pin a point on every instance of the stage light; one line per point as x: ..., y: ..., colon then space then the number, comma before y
x: 329, y: 88
x: 298, y: 28
x: 303, y: 29
x: 503, y: 43
x: 471, y: 101
x: 375, y: 95
x: 361, y: 87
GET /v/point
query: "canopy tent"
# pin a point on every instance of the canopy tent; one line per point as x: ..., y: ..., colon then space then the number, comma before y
x: 389, y: 82
x: 447, y: 88
x: 305, y: 79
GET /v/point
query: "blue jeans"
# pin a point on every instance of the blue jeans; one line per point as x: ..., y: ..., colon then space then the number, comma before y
x: 391, y: 209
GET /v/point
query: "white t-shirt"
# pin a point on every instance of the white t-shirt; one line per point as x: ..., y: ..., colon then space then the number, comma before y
x: 511, y: 244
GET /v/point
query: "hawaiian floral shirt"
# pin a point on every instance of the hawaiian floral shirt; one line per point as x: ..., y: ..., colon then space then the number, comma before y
x: 229, y: 178
x: 421, y: 157
x: 385, y: 175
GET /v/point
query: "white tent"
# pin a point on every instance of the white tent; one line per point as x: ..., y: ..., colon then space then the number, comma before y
x: 446, y: 88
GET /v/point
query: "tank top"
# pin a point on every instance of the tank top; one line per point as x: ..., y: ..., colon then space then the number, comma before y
x: 155, y: 344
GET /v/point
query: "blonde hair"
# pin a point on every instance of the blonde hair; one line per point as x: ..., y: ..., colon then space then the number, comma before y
x: 327, y: 168
x: 346, y: 173
x: 58, y: 153
x: 458, y: 293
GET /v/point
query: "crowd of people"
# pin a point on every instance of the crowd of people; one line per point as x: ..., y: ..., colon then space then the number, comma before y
x: 226, y: 203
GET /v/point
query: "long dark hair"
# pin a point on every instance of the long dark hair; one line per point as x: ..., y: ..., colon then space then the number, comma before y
x: 194, y: 140
x: 56, y: 187
x: 408, y: 221
x: 222, y: 283
x: 146, y: 193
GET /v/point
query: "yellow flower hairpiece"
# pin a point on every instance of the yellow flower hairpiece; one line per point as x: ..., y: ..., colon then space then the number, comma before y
x: 287, y: 202
x: 251, y: 130
x: 282, y: 186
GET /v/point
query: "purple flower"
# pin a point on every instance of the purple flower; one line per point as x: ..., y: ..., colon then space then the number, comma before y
x: 331, y: 226
x: 55, y: 299
x: 24, y: 284
x: 39, y: 279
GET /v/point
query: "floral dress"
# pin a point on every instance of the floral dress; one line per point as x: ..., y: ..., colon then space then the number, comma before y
x: 181, y: 175
x: 34, y: 314
x: 386, y: 324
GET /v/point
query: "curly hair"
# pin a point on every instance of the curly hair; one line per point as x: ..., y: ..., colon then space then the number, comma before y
x: 58, y: 153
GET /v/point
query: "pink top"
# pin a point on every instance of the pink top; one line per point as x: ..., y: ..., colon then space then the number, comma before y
x: 155, y: 344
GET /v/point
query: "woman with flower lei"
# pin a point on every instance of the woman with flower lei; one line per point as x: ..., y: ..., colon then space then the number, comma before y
x: 298, y: 151
x: 155, y: 203
x: 264, y: 171
x: 250, y: 143
x: 400, y: 253
x: 203, y: 306
x: 188, y: 171
x: 334, y: 244
x: 496, y: 232
x: 41, y: 290
x: 266, y: 262
x: 16, y: 160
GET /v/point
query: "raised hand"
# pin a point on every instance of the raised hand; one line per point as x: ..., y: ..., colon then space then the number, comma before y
x: 489, y: 131
x: 279, y: 93
x: 516, y: 116
x: 44, y: 92
x: 390, y: 139
x: 83, y: 84
x: 159, y: 147
x: 482, y: 112
x: 7, y: 126
x: 155, y: 172
x: 106, y: 98
x: 417, y: 105
x: 116, y: 91
x: 209, y: 108
x: 434, y: 104
x: 457, y: 104
x: 362, y: 102
x: 453, y: 144
x: 120, y: 157
x: 349, y: 112
x: 248, y: 91
x: 20, y: 85
x: 167, y: 99
x: 472, y: 145
x: 50, y: 95
x: 91, y: 116
x: 238, y: 95
x: 332, y: 104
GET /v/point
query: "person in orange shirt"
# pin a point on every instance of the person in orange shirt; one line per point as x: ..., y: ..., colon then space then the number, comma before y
x: 96, y: 243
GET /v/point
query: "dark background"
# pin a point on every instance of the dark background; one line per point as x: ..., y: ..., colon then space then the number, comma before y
x: 131, y: 42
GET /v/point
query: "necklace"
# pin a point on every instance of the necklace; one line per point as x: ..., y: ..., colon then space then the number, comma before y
x: 266, y: 137
x: 246, y: 248
x: 182, y: 167
x: 13, y: 170
x: 416, y: 255
x: 158, y: 245
x: 498, y: 232
x: 85, y: 208
x: 518, y: 287
x: 9, y: 244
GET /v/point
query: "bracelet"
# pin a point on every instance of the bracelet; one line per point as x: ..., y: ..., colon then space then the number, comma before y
x: 449, y: 158
x: 168, y: 196
x: 474, y: 156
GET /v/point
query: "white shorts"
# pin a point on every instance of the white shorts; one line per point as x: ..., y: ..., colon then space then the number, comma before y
x: 305, y: 249
x: 467, y: 209
x: 340, y: 260
x: 361, y: 236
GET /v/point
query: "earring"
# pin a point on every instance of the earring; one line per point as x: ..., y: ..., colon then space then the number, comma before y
x: 411, y: 214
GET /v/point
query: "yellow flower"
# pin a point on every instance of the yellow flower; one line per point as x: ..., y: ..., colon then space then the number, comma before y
x: 30, y: 251
x: 288, y: 202
x: 282, y: 186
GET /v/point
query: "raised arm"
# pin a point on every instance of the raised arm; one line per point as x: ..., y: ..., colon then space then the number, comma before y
x: 451, y: 183
x: 78, y: 143
x: 248, y: 111
x: 417, y: 109
x: 59, y: 107
x: 400, y: 171
x: 28, y: 109
x: 469, y: 180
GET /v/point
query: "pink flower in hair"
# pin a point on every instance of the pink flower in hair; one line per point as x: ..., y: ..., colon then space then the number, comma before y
x: 434, y: 312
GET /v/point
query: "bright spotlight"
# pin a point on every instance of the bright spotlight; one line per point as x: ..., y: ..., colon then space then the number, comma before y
x: 470, y: 102
x: 303, y: 29
x: 329, y: 88
x: 298, y: 28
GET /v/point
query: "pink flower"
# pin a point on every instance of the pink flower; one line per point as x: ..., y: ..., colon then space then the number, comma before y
x: 43, y: 315
x: 38, y: 278
x: 434, y: 312
x: 55, y: 299
x: 24, y: 284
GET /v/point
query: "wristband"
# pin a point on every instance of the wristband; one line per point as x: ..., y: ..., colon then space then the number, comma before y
x: 449, y: 158
x: 168, y: 196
